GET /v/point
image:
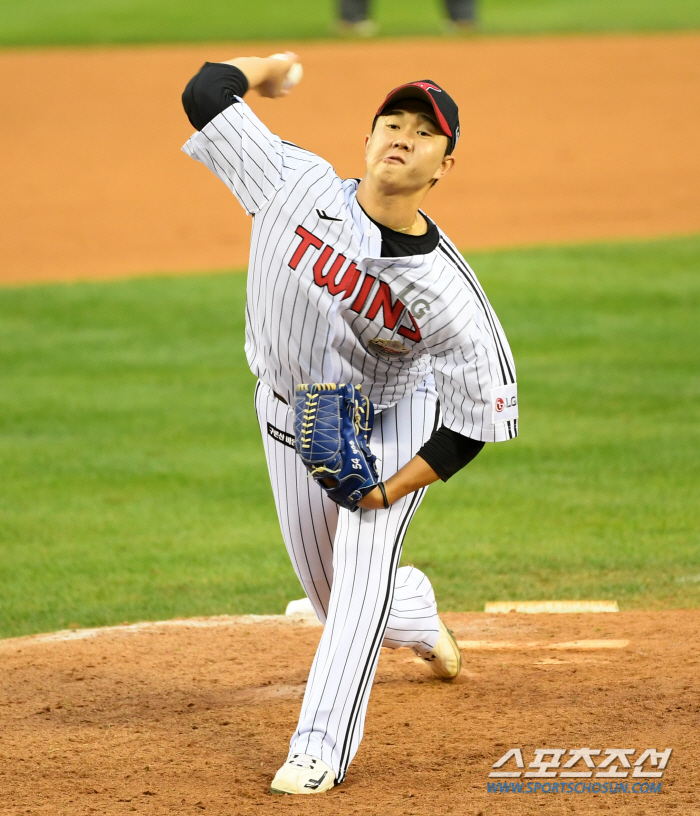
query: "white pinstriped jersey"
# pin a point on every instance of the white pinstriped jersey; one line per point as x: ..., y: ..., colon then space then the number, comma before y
x: 319, y: 290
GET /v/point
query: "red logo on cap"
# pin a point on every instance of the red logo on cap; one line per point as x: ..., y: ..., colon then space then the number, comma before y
x: 426, y: 86
x: 499, y: 405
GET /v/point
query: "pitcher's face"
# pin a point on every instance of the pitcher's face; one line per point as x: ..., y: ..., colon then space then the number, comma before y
x: 406, y: 150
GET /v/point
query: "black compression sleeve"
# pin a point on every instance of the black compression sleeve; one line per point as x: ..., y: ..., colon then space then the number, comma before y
x: 211, y: 91
x: 447, y: 452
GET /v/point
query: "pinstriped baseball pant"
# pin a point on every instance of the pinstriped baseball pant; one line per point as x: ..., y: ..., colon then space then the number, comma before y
x: 348, y: 564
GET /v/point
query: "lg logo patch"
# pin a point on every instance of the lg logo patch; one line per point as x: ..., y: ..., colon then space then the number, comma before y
x: 508, y: 402
x: 505, y: 403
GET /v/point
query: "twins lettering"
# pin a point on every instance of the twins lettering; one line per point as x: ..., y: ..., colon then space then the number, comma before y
x: 338, y: 278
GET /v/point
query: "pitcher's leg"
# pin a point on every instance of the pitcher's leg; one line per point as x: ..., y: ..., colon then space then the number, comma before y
x: 366, y: 557
x: 308, y: 518
x: 413, y: 620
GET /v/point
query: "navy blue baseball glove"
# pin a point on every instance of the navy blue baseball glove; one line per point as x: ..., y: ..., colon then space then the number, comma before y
x: 332, y: 427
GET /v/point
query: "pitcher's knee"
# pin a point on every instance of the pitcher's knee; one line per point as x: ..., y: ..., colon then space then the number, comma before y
x: 413, y: 585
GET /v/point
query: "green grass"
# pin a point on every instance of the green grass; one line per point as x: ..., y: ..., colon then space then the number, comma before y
x: 134, y: 484
x: 599, y: 496
x: 64, y: 22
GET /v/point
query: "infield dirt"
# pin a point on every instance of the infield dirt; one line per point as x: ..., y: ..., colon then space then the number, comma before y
x: 563, y: 140
x: 196, y: 718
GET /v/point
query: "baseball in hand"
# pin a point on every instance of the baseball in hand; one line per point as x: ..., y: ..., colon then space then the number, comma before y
x: 295, y: 73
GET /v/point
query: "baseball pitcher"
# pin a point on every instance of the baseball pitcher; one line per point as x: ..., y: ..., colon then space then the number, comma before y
x: 381, y: 368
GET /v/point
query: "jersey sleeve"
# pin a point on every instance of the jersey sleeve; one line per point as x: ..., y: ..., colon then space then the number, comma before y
x: 238, y: 148
x: 470, y: 357
x: 475, y: 380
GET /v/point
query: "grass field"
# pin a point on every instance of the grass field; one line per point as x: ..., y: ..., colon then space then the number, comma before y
x: 39, y: 22
x: 134, y: 484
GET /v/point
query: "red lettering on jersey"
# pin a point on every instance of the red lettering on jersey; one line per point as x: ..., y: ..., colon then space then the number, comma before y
x: 359, y: 302
x: 382, y: 300
x: 319, y: 277
x: 307, y: 239
x: 345, y: 284
x: 329, y: 278
x: 412, y: 334
x: 348, y: 281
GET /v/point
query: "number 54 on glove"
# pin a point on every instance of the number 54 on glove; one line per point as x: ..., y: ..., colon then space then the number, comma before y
x: 332, y: 427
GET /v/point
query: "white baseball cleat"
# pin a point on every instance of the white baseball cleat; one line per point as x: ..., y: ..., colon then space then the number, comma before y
x: 302, y: 773
x: 445, y: 659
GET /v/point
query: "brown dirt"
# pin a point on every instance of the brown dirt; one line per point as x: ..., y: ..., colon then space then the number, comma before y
x: 196, y: 719
x: 565, y: 139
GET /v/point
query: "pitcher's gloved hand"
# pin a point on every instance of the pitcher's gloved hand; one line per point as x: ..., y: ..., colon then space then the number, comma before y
x: 332, y: 427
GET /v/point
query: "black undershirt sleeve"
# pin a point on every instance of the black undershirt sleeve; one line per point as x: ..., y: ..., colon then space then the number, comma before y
x: 447, y: 452
x: 211, y: 91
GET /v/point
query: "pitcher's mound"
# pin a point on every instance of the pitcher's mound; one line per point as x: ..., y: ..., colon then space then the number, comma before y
x: 196, y: 717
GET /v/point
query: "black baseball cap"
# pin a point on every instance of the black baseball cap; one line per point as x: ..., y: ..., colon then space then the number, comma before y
x: 444, y: 106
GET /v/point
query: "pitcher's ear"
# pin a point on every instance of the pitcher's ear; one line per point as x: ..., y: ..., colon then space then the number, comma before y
x: 447, y: 164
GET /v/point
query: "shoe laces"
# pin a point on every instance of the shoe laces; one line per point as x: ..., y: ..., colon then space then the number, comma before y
x: 302, y: 761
